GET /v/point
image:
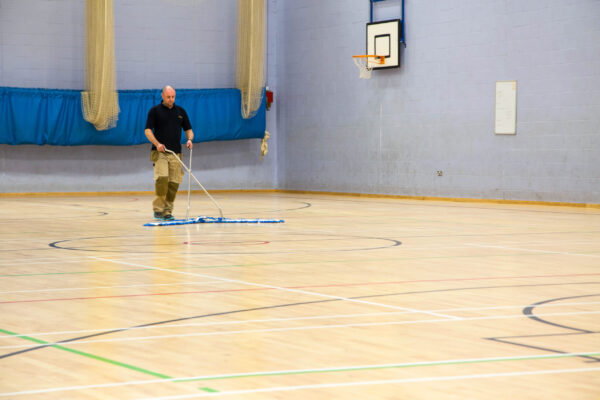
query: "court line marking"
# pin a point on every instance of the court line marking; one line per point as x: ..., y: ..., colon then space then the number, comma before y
x: 370, y: 303
x: 109, y: 287
x: 20, y: 240
x: 44, y: 260
x: 331, y: 316
x: 81, y: 207
x: 72, y: 273
x: 87, y: 244
x: 546, y: 242
x: 88, y: 355
x: 329, y: 261
x: 184, y: 261
x: 39, y: 260
x: 566, y: 253
x: 286, y: 287
x: 50, y: 260
x: 388, y: 366
x: 124, y: 296
x: 315, y: 370
x: 381, y: 382
x: 302, y: 328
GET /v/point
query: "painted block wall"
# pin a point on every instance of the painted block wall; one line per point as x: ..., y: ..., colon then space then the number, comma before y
x: 188, y: 44
x: 392, y: 133
x: 332, y: 131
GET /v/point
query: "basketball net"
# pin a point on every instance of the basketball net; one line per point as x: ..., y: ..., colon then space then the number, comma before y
x: 364, y: 64
x: 363, y: 68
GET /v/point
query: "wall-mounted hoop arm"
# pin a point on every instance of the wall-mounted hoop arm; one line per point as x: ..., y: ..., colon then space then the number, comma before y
x: 402, y: 35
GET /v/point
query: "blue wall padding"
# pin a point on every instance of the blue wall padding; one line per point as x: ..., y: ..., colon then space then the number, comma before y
x: 54, y: 117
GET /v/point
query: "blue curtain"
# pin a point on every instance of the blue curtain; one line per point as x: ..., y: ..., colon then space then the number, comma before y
x: 54, y: 117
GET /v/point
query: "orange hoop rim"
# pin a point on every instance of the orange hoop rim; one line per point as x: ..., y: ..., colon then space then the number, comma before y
x: 377, y: 59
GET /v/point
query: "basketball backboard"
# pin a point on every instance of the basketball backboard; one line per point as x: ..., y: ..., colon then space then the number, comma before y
x: 383, y: 39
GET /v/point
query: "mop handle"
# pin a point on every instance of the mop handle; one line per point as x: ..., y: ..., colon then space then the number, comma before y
x: 197, y: 181
x: 187, y: 213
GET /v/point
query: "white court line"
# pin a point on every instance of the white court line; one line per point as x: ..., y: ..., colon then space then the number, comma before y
x: 21, y: 240
x: 300, y: 371
x: 579, y: 303
x: 51, y: 260
x: 54, y: 260
x: 370, y: 303
x: 522, y: 243
x: 110, y: 287
x: 70, y: 206
x: 382, y: 382
x: 566, y: 253
x: 253, y: 321
x: 37, y: 261
x: 546, y: 242
x: 298, y: 328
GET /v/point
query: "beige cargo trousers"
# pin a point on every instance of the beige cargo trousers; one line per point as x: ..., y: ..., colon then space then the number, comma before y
x: 168, y: 174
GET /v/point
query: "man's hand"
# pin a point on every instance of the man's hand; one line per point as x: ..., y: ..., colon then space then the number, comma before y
x: 189, y: 144
x: 161, y: 147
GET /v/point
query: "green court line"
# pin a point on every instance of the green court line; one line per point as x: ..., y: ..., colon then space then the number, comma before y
x: 388, y: 366
x: 300, y: 372
x: 88, y: 355
x: 277, y: 263
x: 98, y: 358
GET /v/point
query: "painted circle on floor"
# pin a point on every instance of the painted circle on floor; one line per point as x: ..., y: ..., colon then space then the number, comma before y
x: 226, y: 243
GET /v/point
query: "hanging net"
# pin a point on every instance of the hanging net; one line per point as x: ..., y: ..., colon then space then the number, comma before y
x: 364, y: 68
x: 251, y: 55
x: 99, y: 101
x: 365, y: 64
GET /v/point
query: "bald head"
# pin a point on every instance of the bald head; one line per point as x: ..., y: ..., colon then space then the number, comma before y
x: 168, y: 96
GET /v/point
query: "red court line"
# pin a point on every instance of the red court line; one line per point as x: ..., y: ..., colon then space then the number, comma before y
x: 296, y: 287
x: 131, y: 295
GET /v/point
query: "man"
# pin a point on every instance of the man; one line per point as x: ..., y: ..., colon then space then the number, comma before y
x: 163, y: 130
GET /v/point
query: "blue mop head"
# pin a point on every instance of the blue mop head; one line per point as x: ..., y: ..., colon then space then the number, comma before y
x: 214, y: 220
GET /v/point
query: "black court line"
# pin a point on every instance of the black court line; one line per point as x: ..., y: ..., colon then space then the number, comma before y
x: 278, y: 306
x: 111, y: 209
x: 306, y: 205
x: 60, y: 244
x: 528, y: 311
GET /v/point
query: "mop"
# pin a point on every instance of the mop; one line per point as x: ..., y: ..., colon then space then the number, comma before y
x: 205, y: 219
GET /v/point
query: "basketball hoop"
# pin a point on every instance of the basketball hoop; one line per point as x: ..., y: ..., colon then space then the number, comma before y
x: 365, y: 64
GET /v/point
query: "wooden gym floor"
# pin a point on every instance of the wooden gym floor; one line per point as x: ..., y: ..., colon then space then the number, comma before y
x: 350, y: 298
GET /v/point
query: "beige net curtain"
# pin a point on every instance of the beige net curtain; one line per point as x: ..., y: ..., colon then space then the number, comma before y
x: 100, y: 101
x: 251, y: 55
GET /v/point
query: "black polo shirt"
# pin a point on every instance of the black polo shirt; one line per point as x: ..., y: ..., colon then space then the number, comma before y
x: 166, y: 124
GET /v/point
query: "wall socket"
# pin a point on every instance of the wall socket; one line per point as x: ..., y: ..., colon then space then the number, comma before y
x: 440, y: 173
